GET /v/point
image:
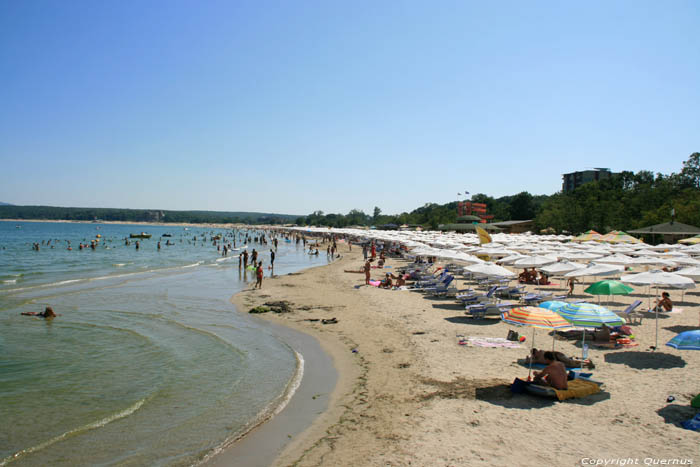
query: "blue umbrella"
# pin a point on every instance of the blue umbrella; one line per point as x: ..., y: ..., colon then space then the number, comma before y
x: 553, y: 305
x: 688, y: 340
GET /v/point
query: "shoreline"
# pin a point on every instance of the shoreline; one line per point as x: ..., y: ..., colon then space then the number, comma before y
x: 409, y: 393
x: 285, y: 433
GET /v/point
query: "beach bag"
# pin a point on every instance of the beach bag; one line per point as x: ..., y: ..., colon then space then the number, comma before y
x: 513, y: 336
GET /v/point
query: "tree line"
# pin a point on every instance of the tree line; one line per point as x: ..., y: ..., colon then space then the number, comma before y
x: 625, y: 201
x: 140, y: 215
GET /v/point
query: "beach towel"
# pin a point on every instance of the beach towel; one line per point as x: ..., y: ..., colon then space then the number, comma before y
x: 692, y: 424
x: 577, y: 388
x: 492, y: 342
x: 540, y: 366
x: 375, y: 283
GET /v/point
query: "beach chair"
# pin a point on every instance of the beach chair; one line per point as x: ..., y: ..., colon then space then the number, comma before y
x: 441, y: 287
x: 482, y: 310
x: 430, y: 281
x: 511, y: 292
x: 631, y: 315
x: 474, y: 298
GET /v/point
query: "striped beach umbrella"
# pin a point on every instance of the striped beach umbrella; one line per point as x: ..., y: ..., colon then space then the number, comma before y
x: 688, y: 340
x: 617, y: 236
x: 588, y: 315
x: 587, y: 236
x: 552, y: 305
x: 535, y: 317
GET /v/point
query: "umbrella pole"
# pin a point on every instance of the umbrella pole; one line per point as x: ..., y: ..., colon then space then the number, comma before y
x: 656, y: 345
x: 583, y: 346
x: 532, y: 346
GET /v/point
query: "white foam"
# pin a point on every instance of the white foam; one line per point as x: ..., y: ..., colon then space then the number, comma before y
x: 90, y: 426
x: 266, y: 414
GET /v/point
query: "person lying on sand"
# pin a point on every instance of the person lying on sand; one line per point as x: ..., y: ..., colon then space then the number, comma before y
x: 554, y: 374
x: 538, y: 357
x: 601, y: 335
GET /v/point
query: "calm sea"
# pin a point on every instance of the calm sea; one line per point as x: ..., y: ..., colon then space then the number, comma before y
x: 148, y: 362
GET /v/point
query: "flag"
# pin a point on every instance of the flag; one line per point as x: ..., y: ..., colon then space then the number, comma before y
x: 484, y: 236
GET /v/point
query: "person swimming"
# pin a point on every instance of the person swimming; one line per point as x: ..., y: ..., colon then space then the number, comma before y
x: 48, y: 313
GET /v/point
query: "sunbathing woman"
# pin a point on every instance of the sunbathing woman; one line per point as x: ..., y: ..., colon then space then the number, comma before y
x: 664, y: 304
x: 538, y: 357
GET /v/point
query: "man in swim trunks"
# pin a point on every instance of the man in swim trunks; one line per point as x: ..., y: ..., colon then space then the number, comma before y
x: 367, y: 269
x: 553, y: 375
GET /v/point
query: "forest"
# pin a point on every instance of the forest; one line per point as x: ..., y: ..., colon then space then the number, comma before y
x: 140, y: 215
x: 626, y: 201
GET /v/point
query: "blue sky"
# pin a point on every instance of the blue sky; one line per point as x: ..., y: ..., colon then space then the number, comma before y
x: 299, y: 106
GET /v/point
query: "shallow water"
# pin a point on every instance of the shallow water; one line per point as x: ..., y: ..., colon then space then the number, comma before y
x: 148, y: 362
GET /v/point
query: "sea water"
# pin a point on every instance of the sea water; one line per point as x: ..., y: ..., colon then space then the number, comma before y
x: 147, y: 363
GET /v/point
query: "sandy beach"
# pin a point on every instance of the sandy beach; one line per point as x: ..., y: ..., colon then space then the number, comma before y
x: 410, y: 394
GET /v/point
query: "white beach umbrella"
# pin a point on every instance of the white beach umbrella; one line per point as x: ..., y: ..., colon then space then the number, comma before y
x: 658, y: 279
x: 534, y: 261
x: 561, y: 268
x: 693, y: 272
x: 575, y: 255
x: 497, y: 252
x: 489, y: 270
x: 510, y: 259
x: 594, y: 269
x: 615, y: 259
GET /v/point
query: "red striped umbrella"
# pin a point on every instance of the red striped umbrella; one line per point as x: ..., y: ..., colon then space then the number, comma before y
x: 535, y: 317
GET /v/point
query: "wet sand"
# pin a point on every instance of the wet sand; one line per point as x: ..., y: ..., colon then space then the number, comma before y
x: 409, y: 393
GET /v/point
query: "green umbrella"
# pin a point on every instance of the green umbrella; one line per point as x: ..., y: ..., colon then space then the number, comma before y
x: 608, y: 287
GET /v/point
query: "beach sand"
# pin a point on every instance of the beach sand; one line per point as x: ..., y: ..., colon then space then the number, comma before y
x: 410, y: 394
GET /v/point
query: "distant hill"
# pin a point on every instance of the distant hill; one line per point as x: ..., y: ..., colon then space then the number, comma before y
x: 8, y: 211
x: 4, y: 204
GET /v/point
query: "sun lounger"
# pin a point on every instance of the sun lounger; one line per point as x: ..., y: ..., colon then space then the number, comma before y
x: 631, y: 315
x: 439, y: 287
x: 474, y: 298
x: 483, y: 310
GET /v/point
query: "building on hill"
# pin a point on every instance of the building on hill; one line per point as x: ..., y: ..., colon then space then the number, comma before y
x: 574, y: 180
x: 475, y: 210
